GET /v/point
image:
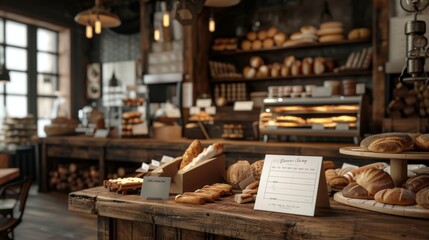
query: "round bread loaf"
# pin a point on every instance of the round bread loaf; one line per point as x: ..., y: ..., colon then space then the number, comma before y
x: 257, y: 169
x: 272, y: 31
x: 251, y: 36
x: 256, y: 61
x: 262, y: 35
x: 296, y: 36
x: 417, y: 182
x: 257, y: 44
x: 396, y: 196
x: 354, y: 190
x: 422, y: 142
x: 388, y: 142
x: 338, y: 182
x: 359, y: 33
x: 331, y: 38
x: 237, y: 172
x: 268, y: 42
x: 249, y: 72
x: 285, y: 71
x: 331, y: 25
x: 246, y: 45
x: 422, y: 197
x: 374, y: 180
x: 308, y: 29
x: 279, y: 38
x: 366, y: 141
x: 263, y: 71
x: 288, y: 60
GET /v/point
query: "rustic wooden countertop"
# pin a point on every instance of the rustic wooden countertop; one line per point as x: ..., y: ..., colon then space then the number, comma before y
x: 230, y: 219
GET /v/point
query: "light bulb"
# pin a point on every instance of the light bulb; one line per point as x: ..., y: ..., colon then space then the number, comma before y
x: 166, y: 19
x: 156, y: 34
x: 88, y: 31
x: 212, y: 24
x: 97, y: 26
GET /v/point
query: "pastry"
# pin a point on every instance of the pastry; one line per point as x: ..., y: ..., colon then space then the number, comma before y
x: 417, y: 182
x: 215, y: 194
x: 374, y: 180
x: 243, y: 198
x: 238, y: 172
x: 253, y: 185
x: 257, y: 169
x: 227, y: 187
x: 207, y: 196
x: 422, y: 197
x: 354, y: 190
x: 396, y: 196
x: 422, y: 142
x: 198, y: 200
x: 191, y: 152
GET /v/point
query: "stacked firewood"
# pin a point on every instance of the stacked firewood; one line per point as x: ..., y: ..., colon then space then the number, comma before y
x: 71, y: 177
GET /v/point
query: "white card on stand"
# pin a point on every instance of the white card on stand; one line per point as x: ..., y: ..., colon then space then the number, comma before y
x: 292, y: 184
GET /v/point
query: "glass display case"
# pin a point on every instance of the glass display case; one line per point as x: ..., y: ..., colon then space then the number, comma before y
x: 321, y: 117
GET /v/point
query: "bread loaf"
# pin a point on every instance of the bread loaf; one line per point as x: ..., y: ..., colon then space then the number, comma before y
x: 262, y: 35
x: 249, y: 72
x: 189, y: 199
x: 206, y: 196
x: 422, y: 197
x: 191, y: 152
x: 257, y: 169
x: 257, y: 44
x: 285, y: 71
x: 268, y: 42
x: 280, y: 38
x: 367, y: 141
x: 263, y: 72
x: 338, y: 182
x: 237, y: 172
x: 350, y: 175
x: 243, y: 198
x: 246, y: 45
x: 396, y: 196
x: 330, y: 174
x: 354, y: 190
x: 288, y: 61
x: 256, y: 61
x: 417, y: 182
x: 390, y: 145
x: 374, y: 180
x: 272, y: 31
x: 422, y: 142
x: 251, y: 36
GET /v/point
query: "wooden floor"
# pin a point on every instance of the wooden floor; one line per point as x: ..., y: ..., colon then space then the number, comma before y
x: 46, y: 217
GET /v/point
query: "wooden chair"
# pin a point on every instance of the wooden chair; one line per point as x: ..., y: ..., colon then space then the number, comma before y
x: 14, y: 197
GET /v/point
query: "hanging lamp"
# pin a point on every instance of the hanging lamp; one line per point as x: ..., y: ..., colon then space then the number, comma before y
x: 97, y: 18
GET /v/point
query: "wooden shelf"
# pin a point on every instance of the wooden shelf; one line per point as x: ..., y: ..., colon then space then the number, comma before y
x: 324, y: 75
x: 309, y: 132
x: 300, y: 46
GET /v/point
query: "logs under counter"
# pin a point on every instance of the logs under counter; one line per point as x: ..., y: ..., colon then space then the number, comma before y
x: 131, y: 217
x: 102, y: 153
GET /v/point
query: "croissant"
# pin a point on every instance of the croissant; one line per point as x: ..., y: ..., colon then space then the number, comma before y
x: 374, y: 180
x: 397, y: 196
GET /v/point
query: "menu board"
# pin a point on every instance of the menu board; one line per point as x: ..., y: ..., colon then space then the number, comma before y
x: 290, y: 184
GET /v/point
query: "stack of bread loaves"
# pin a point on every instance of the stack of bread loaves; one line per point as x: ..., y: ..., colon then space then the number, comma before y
x: 263, y: 39
x: 307, y: 34
x: 330, y: 32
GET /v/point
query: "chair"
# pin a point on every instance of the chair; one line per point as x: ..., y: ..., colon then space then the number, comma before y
x: 13, y: 195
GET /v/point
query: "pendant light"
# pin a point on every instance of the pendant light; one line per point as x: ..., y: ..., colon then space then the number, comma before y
x: 212, y: 23
x: 97, y: 17
x: 165, y: 15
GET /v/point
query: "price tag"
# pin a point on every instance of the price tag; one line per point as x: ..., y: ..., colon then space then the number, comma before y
x: 194, y: 110
x: 210, y: 110
x: 155, y: 163
x: 342, y: 126
x: 317, y: 127
x: 156, y: 188
x: 243, y: 105
x: 166, y: 159
x: 101, y: 133
x: 292, y: 184
x: 202, y: 103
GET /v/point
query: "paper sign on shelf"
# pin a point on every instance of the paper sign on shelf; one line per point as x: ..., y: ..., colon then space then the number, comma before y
x: 156, y: 188
x: 243, y: 105
x: 166, y: 159
x: 210, y: 110
x: 155, y: 163
x: 292, y: 184
x: 144, y: 168
x: 101, y: 133
x: 194, y: 110
x: 202, y: 103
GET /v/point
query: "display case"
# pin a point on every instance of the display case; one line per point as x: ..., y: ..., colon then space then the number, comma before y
x: 316, y: 117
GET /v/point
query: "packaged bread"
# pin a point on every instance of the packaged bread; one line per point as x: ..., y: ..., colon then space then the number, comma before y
x: 374, y: 180
x: 238, y: 172
x: 256, y: 61
x: 354, y: 190
x: 422, y: 197
x: 279, y: 39
x: 194, y: 149
x: 422, y: 142
x: 418, y: 182
x: 396, y: 196
x: 257, y: 169
x: 262, y: 35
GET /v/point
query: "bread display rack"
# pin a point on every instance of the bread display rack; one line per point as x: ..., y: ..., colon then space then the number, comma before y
x: 324, y: 117
x: 398, y: 171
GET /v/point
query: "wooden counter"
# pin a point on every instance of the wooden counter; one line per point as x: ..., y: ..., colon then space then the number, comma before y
x: 104, y: 151
x: 131, y: 217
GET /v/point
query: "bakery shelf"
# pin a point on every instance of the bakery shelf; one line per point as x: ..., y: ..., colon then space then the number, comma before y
x: 309, y: 132
x: 300, y: 46
x: 312, y: 76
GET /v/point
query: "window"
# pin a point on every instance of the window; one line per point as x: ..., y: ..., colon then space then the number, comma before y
x: 31, y: 56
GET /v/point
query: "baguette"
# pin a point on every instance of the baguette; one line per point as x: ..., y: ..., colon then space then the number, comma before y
x: 374, y: 180
x: 214, y: 194
x: 417, y: 182
x: 422, y: 197
x: 396, y: 196
x: 191, y: 152
x: 207, y: 196
x: 354, y: 190
x: 189, y: 199
x: 227, y: 187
